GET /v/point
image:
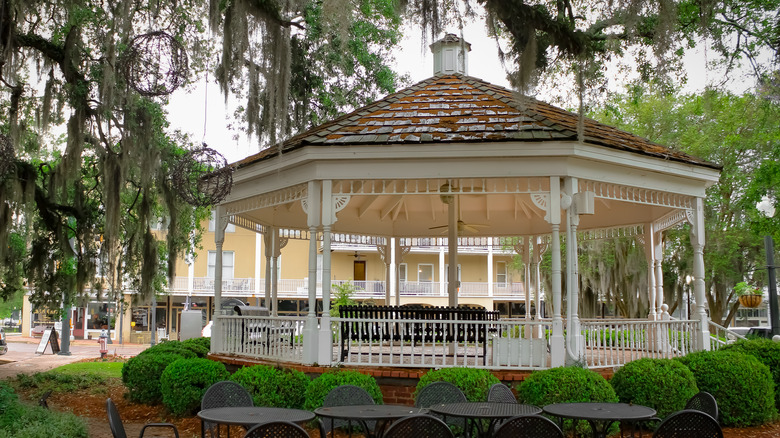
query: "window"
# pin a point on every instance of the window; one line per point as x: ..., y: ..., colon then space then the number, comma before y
x: 425, y: 273
x: 213, y: 224
x: 402, y: 272
x: 501, y: 274
x: 227, y: 264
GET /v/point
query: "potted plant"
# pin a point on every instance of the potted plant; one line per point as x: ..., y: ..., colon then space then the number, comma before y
x: 748, y: 294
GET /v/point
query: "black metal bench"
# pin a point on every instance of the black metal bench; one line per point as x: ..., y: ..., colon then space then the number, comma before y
x: 385, y: 326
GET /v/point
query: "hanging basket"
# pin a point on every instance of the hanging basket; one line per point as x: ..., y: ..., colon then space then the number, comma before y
x: 202, y: 177
x: 155, y: 64
x: 750, y: 300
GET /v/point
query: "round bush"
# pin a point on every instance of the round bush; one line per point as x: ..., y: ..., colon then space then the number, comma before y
x: 184, y: 382
x: 274, y: 387
x: 740, y: 383
x: 321, y: 386
x: 662, y: 384
x: 199, y: 346
x: 474, y: 383
x: 141, y: 375
x: 170, y: 347
x: 567, y: 385
x: 766, y: 351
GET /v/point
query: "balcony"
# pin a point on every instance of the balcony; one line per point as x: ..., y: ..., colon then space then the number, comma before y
x: 299, y: 288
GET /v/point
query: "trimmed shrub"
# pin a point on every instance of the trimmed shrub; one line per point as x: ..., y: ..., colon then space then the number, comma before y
x: 321, y: 386
x: 662, y: 384
x: 766, y: 351
x: 23, y: 421
x: 567, y: 385
x: 275, y: 387
x: 199, y: 346
x: 184, y: 382
x: 740, y: 383
x: 475, y: 383
x: 170, y: 347
x: 141, y: 375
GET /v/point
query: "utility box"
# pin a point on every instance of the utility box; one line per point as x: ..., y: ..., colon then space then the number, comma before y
x: 191, y: 324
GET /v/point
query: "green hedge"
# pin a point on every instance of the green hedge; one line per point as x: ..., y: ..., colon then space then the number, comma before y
x: 199, y: 346
x: 740, y: 383
x: 184, y: 382
x: 24, y: 421
x: 141, y: 375
x: 765, y: 350
x: 170, y: 347
x: 475, y: 383
x: 275, y: 387
x: 321, y: 386
x: 662, y: 384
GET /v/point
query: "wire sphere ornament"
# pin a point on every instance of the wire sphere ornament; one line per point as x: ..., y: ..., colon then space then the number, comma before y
x: 202, y: 177
x: 156, y: 64
x: 7, y: 156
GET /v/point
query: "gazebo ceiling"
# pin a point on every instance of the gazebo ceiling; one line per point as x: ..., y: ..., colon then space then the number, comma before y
x: 391, y: 160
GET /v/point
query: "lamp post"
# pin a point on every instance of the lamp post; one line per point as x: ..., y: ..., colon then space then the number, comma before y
x: 767, y: 208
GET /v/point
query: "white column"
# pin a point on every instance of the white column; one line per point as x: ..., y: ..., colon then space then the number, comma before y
x: 268, y: 237
x: 190, y: 276
x: 490, y: 268
x: 702, y: 336
x: 386, y: 255
x: 526, y: 278
x: 442, y: 273
x: 392, y: 284
x: 220, y: 223
x: 575, y: 342
x: 258, y: 265
x: 557, y: 345
x: 452, y: 253
x: 649, y: 244
x: 658, y: 250
x: 311, y: 330
x: 325, y: 354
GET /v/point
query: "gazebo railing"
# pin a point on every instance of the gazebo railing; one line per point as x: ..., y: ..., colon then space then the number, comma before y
x: 610, y: 343
x: 721, y: 336
x: 260, y: 337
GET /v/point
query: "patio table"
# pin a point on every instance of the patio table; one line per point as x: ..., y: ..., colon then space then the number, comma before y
x: 476, y: 411
x: 248, y: 416
x: 382, y: 414
x: 600, y: 415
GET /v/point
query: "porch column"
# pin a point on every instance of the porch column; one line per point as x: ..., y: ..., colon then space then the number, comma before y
x: 452, y: 253
x: 220, y: 223
x: 268, y: 237
x: 527, y: 277
x: 658, y: 250
x: 702, y: 335
x: 277, y: 243
x: 575, y: 350
x: 648, y: 241
x: 400, y: 252
x: 442, y: 273
x: 312, y: 207
x: 557, y: 345
x: 258, y: 267
x: 490, y: 268
x: 386, y: 255
x: 329, y: 208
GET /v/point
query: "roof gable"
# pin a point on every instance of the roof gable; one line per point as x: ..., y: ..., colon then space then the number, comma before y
x: 458, y: 108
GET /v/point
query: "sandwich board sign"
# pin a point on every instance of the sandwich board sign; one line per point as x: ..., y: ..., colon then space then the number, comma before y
x: 49, y: 337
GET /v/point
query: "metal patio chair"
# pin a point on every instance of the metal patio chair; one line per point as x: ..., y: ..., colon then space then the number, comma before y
x: 118, y: 429
x: 688, y: 423
x: 501, y: 393
x: 224, y: 394
x: 276, y: 429
x: 419, y: 426
x: 531, y: 426
x: 347, y: 395
x: 442, y: 393
x: 704, y: 402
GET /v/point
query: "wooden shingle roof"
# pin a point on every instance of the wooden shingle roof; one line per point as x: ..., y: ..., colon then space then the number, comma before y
x: 458, y: 108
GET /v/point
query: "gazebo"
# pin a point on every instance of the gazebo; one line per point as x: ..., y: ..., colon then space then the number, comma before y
x: 456, y: 153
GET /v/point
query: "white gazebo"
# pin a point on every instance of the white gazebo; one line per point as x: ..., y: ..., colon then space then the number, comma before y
x: 481, y: 160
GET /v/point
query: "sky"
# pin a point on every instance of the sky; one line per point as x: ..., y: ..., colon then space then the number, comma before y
x: 188, y: 109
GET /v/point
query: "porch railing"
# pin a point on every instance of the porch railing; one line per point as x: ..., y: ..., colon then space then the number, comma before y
x: 260, y: 337
x: 721, y: 336
x: 610, y: 343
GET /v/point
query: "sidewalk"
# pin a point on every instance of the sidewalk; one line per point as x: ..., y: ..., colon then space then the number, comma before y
x: 22, y: 359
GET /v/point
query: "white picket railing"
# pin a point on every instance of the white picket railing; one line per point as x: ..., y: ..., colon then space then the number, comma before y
x: 721, y: 336
x: 260, y: 337
x: 610, y: 343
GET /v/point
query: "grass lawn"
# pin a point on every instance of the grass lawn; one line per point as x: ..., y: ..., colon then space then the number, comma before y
x: 103, y: 369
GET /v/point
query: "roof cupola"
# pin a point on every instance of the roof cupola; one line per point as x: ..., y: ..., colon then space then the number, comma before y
x: 450, y: 55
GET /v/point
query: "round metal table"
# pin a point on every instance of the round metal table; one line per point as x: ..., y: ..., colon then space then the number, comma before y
x: 251, y: 415
x: 382, y: 414
x: 493, y: 411
x: 600, y: 415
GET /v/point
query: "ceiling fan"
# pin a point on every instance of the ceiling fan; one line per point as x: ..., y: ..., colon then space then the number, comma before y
x: 462, y: 226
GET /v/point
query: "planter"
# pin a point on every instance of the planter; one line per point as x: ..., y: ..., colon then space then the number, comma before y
x: 750, y: 300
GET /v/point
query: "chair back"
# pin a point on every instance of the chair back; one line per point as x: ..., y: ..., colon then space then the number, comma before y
x: 501, y: 393
x: 346, y: 395
x: 439, y: 393
x: 276, y: 429
x: 226, y: 394
x: 419, y: 426
x: 688, y: 423
x: 114, y: 420
x: 705, y: 402
x: 530, y: 426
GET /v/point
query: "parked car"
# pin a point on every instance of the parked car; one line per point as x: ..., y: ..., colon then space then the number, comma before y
x: 761, y: 332
x: 3, y: 344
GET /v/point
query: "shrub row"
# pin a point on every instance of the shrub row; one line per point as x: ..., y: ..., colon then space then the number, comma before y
x: 24, y: 421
